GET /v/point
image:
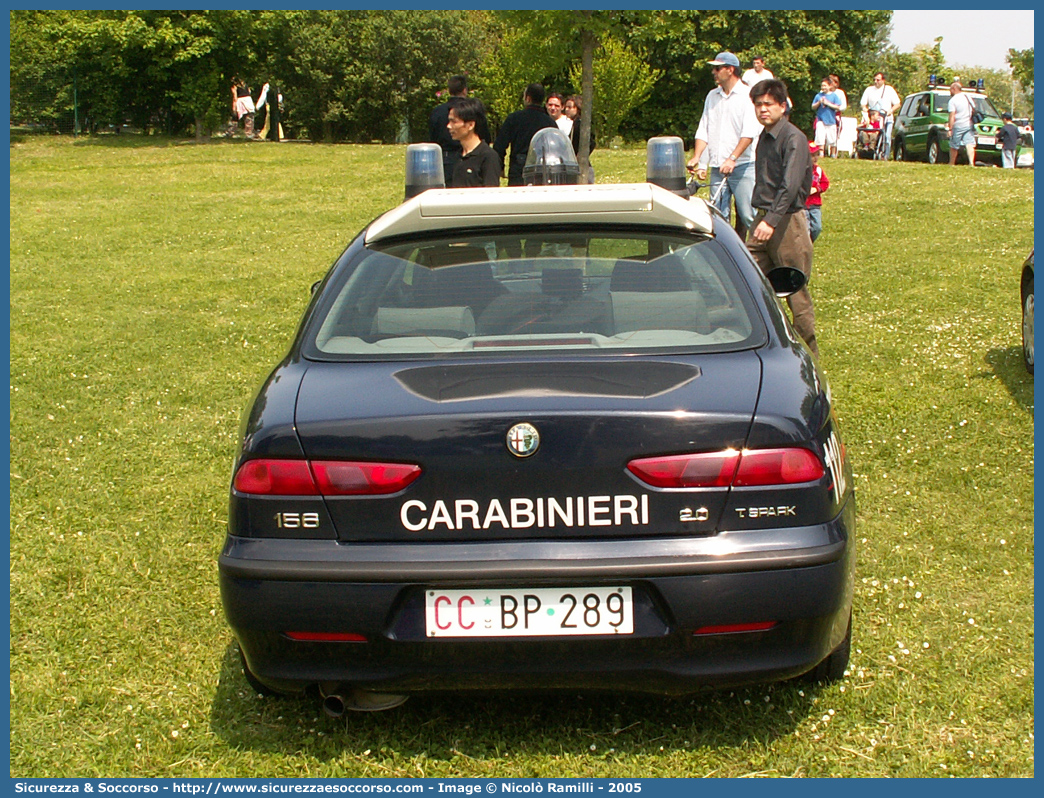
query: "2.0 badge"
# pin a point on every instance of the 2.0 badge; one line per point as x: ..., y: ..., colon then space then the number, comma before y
x: 523, y: 440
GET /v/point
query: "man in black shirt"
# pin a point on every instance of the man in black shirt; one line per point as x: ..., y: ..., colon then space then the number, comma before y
x: 518, y: 129
x: 438, y: 132
x: 479, y: 164
x: 783, y: 178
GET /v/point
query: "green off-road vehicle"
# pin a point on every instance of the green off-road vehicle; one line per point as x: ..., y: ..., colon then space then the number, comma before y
x: 920, y: 126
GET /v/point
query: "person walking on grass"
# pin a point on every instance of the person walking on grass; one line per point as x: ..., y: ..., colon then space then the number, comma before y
x: 1008, y: 137
x: 827, y: 105
x: 814, y: 203
x: 959, y: 124
x: 882, y: 97
x: 479, y: 164
x: 723, y: 139
x: 782, y: 182
x: 457, y: 87
x: 518, y: 129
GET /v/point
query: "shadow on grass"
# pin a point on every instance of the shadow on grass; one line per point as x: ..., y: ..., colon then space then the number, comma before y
x: 1007, y: 365
x: 131, y: 141
x: 477, y: 729
x: 135, y: 141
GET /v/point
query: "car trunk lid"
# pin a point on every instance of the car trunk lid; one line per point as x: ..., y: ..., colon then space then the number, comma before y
x: 592, y: 416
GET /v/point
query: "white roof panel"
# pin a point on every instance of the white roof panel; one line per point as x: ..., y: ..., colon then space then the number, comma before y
x: 620, y: 203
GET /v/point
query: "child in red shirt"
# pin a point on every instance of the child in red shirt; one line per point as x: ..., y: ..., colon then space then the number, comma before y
x: 814, y: 203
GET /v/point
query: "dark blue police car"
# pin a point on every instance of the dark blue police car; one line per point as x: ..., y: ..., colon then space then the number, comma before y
x: 548, y: 436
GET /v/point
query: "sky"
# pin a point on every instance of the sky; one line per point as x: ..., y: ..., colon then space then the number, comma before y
x: 971, y: 38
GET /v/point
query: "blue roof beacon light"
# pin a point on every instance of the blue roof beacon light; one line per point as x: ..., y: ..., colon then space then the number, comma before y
x: 551, y: 160
x: 665, y: 164
x: 423, y: 168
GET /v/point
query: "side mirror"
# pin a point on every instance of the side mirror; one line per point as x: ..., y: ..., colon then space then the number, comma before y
x: 786, y: 280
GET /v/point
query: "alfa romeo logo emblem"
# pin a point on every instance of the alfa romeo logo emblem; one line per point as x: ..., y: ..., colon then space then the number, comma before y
x: 523, y: 440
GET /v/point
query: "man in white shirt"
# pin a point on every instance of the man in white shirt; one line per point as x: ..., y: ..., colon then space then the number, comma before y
x: 757, y: 73
x: 726, y: 131
x: 959, y: 125
x: 882, y: 98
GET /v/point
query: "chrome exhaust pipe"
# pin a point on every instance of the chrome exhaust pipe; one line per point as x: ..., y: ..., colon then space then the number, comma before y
x: 334, y: 705
x: 339, y: 698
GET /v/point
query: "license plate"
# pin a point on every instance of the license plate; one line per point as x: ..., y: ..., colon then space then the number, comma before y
x: 529, y: 613
x: 986, y: 141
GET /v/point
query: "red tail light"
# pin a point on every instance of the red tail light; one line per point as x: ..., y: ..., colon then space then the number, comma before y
x: 706, y: 470
x: 276, y: 478
x: 731, y: 628
x: 362, y: 479
x: 729, y: 467
x: 326, y: 637
x: 778, y: 467
x: 266, y: 477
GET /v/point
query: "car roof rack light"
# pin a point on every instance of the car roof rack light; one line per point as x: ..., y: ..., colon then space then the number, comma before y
x: 423, y: 168
x: 665, y: 164
x: 551, y: 160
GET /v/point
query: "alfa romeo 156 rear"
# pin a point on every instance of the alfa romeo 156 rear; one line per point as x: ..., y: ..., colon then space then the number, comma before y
x: 557, y: 436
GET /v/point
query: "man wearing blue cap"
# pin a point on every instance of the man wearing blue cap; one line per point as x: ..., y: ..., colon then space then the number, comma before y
x: 727, y: 128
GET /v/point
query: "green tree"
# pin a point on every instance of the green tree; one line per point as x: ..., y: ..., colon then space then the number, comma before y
x: 518, y: 55
x: 190, y: 56
x: 906, y: 72
x: 561, y: 38
x: 41, y: 83
x: 932, y: 59
x: 156, y: 68
x: 360, y: 75
x: 800, y: 47
x: 78, y: 58
x: 1021, y: 62
x: 622, y: 81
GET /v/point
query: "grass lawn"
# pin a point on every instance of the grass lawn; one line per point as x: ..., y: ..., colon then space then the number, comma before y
x: 154, y: 284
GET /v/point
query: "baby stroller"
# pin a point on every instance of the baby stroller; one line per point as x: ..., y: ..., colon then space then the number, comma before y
x: 870, y: 143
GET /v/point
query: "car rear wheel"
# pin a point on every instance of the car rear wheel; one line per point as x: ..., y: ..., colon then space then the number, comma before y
x: 832, y: 669
x: 1027, y: 325
x: 900, y: 150
x: 934, y: 150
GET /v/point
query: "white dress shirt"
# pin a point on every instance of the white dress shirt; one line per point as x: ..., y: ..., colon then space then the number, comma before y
x: 726, y: 119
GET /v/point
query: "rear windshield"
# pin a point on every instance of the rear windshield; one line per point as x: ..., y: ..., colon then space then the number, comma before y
x: 498, y: 292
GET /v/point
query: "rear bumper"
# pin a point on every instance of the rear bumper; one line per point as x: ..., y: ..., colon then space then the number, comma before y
x: 798, y: 578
